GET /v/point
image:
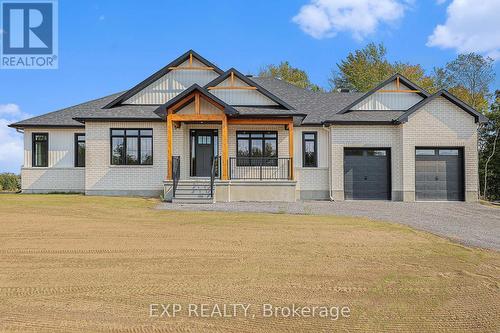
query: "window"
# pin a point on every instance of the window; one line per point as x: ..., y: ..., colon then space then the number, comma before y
x: 309, y: 149
x: 377, y: 152
x: 40, y: 157
x: 79, y: 150
x: 425, y: 152
x: 448, y: 152
x: 256, y: 148
x: 132, y: 146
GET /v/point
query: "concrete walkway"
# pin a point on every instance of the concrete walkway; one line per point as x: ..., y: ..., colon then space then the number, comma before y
x: 468, y: 223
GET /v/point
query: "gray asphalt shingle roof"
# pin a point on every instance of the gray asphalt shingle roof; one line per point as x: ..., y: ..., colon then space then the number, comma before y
x: 317, y: 107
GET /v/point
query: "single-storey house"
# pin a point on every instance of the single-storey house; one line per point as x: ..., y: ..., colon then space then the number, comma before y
x: 193, y: 132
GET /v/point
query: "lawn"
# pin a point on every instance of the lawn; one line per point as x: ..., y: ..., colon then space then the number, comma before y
x: 71, y: 263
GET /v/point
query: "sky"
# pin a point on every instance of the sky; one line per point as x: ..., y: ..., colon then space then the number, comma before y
x: 109, y: 46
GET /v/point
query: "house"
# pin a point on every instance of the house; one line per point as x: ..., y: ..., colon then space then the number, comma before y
x: 197, y: 133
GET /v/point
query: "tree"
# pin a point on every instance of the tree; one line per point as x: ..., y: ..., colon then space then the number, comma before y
x: 366, y: 68
x: 468, y: 77
x: 362, y: 70
x: 489, y: 154
x: 290, y: 74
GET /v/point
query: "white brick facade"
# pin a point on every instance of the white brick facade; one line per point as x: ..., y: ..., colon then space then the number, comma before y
x: 102, y: 178
x: 441, y: 123
x: 438, y: 124
x: 61, y: 174
x: 369, y: 136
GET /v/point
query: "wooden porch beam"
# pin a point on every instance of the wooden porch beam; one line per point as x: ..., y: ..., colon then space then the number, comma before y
x: 225, y: 150
x: 170, y: 146
x: 197, y: 117
x: 290, y: 147
x: 197, y: 103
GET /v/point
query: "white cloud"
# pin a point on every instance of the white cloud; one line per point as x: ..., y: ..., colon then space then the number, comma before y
x: 11, y: 142
x: 326, y: 18
x: 471, y: 26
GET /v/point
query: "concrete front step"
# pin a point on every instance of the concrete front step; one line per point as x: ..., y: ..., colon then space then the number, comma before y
x: 192, y: 200
x: 193, y: 191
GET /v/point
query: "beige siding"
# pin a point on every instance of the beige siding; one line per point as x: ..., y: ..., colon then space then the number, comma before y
x: 61, y: 146
x: 241, y: 97
x: 103, y: 178
x: 441, y: 123
x: 170, y: 85
x: 366, y: 136
x: 389, y: 100
x: 60, y: 175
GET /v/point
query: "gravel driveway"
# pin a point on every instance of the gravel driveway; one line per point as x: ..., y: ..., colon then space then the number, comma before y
x: 468, y: 223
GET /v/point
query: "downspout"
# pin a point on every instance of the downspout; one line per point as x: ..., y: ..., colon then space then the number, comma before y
x: 330, y: 178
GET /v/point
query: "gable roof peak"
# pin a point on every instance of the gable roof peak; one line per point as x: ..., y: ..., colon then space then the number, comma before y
x: 155, y: 76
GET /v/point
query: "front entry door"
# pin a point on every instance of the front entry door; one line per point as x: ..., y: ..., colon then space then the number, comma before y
x: 202, y: 152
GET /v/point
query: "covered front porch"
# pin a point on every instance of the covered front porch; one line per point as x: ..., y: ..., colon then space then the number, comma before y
x: 215, y: 153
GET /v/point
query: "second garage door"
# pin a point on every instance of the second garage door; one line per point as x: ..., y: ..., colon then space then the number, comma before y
x: 439, y: 174
x: 367, y: 174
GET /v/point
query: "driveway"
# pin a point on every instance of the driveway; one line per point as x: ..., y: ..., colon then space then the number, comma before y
x: 468, y: 223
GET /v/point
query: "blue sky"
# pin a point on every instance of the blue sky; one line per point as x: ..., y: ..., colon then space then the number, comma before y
x: 109, y: 46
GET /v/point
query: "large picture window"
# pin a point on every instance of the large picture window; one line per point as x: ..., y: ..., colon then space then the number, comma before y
x: 79, y: 150
x: 309, y: 149
x: 40, y: 150
x: 257, y: 148
x: 131, y: 146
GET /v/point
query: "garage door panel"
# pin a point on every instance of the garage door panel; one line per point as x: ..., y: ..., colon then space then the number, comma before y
x: 439, y: 176
x: 366, y: 174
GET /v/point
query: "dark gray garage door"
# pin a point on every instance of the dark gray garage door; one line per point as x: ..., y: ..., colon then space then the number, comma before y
x: 367, y: 174
x: 439, y: 174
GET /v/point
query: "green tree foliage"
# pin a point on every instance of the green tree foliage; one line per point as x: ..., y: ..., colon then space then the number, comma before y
x: 366, y: 68
x: 10, y: 182
x: 489, y: 153
x: 468, y: 77
x: 290, y: 74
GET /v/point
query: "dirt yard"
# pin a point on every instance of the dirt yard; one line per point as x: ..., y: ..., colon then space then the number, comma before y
x: 70, y: 263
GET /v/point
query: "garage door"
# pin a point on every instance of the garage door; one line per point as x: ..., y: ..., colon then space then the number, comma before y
x: 439, y: 174
x: 367, y: 174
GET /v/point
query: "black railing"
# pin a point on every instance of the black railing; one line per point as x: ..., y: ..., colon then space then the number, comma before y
x: 176, y: 173
x: 214, y: 171
x: 259, y: 168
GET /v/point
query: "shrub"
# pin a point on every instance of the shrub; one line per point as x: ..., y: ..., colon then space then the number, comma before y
x: 10, y: 182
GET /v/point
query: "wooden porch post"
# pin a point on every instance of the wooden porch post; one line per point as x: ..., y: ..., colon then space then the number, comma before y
x: 224, y: 149
x: 290, y: 147
x: 169, y: 145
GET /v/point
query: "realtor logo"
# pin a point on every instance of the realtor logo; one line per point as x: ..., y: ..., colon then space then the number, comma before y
x: 29, y: 35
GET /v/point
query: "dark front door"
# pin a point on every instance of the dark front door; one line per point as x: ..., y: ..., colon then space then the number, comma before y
x: 367, y: 174
x: 202, y: 152
x: 439, y: 174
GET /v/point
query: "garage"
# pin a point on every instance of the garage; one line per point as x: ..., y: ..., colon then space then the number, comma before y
x: 439, y: 174
x: 367, y: 174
